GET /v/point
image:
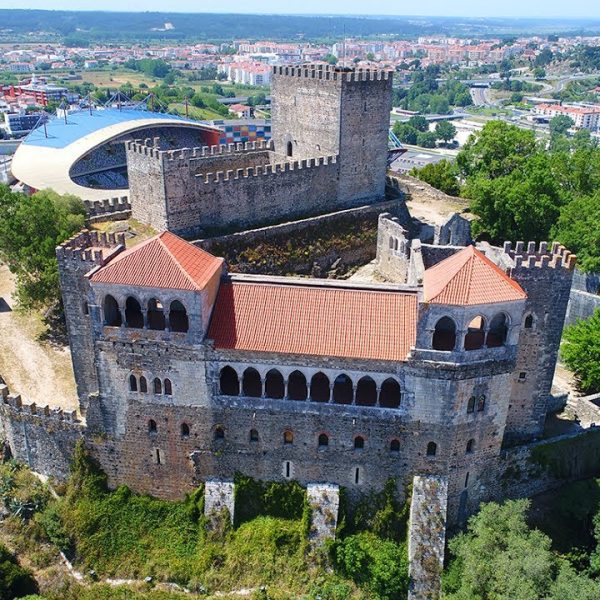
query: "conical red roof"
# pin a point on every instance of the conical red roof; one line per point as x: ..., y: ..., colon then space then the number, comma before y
x: 163, y: 261
x: 467, y: 278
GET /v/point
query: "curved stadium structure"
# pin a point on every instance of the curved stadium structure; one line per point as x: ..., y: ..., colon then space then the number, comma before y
x: 85, y: 155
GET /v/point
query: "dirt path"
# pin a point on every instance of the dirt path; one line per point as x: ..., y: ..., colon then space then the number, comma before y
x: 38, y: 371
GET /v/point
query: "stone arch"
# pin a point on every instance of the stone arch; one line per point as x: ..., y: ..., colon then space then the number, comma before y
x: 319, y: 388
x: 288, y: 437
x: 152, y: 428
x: 498, y: 331
x: 528, y: 324
x: 157, y: 384
x: 470, y: 446
x: 178, y: 317
x: 112, y: 314
x: 343, y: 390
x: 185, y: 430
x: 389, y: 394
x: 475, y: 336
x: 366, y: 392
x: 251, y: 383
x: 431, y: 449
x: 395, y: 445
x: 444, y: 335
x: 133, y: 313
x: 323, y: 440
x: 168, y: 387
x: 359, y: 442
x: 471, y: 404
x: 289, y: 149
x: 253, y: 435
x: 219, y: 433
x: 274, y: 385
x: 133, y: 384
x: 143, y: 385
x: 229, y: 383
x: 156, y: 315
x: 297, y: 386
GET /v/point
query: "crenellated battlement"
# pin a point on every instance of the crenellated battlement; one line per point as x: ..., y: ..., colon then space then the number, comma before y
x: 266, y: 170
x: 91, y: 246
x: 540, y: 256
x: 332, y: 73
x: 15, y: 404
x: 106, y: 207
x: 186, y: 154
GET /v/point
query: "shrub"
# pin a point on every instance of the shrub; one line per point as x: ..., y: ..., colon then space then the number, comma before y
x: 15, y: 582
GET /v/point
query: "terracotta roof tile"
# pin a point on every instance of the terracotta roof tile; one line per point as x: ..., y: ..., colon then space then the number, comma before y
x: 163, y: 261
x: 296, y: 319
x: 469, y: 277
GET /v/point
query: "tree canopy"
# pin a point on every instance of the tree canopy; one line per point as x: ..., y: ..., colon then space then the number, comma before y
x: 30, y: 230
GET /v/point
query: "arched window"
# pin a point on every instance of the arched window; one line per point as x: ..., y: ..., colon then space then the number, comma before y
x: 288, y: 437
x: 498, y: 330
x: 178, y: 319
x: 319, y: 388
x: 229, y: 382
x: 395, y: 446
x: 366, y: 392
x: 323, y: 440
x: 359, y: 442
x: 219, y: 433
x: 143, y: 385
x: 391, y: 243
x: 185, y: 430
x: 157, y: 386
x: 133, y: 383
x: 156, y: 314
x: 470, y: 446
x: 112, y: 314
x: 528, y: 321
x: 444, y: 335
x: 133, y: 313
x: 274, y: 385
x: 343, y: 391
x: 290, y: 149
x: 431, y: 449
x: 475, y: 336
x: 152, y: 426
x: 297, y: 388
x: 168, y: 388
x: 253, y: 435
x: 481, y: 403
x: 389, y: 394
x: 471, y: 404
x: 251, y: 383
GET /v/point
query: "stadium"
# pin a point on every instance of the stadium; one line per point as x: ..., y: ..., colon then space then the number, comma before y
x: 84, y: 154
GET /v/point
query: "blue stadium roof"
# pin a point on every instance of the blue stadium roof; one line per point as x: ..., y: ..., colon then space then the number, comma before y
x: 81, y: 123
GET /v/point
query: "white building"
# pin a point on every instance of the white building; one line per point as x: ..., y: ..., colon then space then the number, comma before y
x: 584, y: 117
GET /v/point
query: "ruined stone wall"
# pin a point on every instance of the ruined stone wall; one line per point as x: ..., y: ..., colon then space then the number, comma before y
x: 393, y: 249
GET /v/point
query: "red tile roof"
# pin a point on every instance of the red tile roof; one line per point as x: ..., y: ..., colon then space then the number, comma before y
x: 322, y: 321
x: 163, y: 261
x: 469, y: 277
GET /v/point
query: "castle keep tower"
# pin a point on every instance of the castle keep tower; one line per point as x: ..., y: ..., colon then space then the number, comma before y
x: 322, y: 110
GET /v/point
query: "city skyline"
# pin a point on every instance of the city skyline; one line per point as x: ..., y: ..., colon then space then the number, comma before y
x: 579, y: 9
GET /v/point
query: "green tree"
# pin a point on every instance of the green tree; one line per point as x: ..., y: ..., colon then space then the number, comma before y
x: 570, y: 585
x: 497, y: 150
x: 419, y: 123
x: 499, y: 557
x: 441, y: 175
x: 539, y: 73
x: 580, y: 351
x: 15, y: 582
x: 331, y: 59
x: 445, y: 131
x: 405, y: 133
x: 578, y: 229
x: 560, y: 124
x: 426, y: 139
x: 30, y: 230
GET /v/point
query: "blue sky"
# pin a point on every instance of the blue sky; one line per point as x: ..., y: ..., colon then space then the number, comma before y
x: 475, y: 8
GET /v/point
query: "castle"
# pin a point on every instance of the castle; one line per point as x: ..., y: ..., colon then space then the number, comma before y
x: 187, y: 373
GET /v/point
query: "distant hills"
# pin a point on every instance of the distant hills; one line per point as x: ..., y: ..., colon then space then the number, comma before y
x: 112, y: 26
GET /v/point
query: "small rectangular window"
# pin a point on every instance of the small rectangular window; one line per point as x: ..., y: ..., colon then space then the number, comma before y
x: 522, y: 376
x: 158, y: 457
